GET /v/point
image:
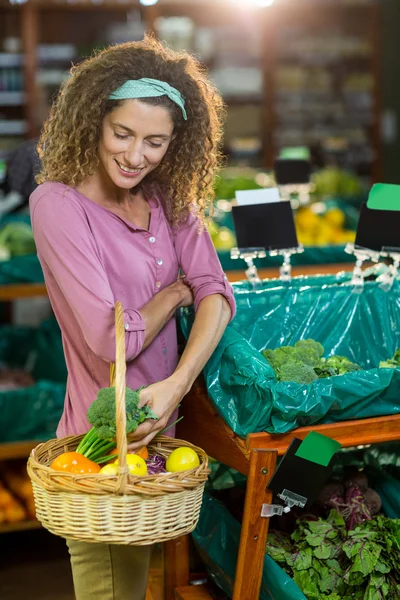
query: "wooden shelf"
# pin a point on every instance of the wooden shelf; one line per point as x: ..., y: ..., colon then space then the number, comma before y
x: 11, y: 450
x: 256, y: 456
x: 29, y: 290
x: 21, y: 290
x: 203, y: 426
x: 192, y: 592
x: 272, y: 272
x: 20, y: 526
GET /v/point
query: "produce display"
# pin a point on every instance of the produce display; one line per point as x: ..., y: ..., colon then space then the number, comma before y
x: 16, y: 495
x: 317, y: 225
x: 304, y: 362
x: 391, y: 363
x: 337, y: 183
x: 330, y: 562
x: 328, y: 218
x: 351, y: 497
x: 16, y: 239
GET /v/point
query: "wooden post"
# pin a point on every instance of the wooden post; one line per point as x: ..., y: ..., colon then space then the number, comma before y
x: 253, y: 538
x: 269, y: 68
x: 30, y: 34
x: 176, y: 565
x: 150, y: 15
x: 375, y: 21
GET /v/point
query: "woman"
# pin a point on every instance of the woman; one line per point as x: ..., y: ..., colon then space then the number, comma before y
x: 129, y: 154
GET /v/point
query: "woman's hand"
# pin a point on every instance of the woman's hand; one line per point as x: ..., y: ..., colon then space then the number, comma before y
x: 163, y: 398
x: 184, y: 290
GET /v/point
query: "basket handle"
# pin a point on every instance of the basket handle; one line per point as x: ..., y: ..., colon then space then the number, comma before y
x: 117, y: 379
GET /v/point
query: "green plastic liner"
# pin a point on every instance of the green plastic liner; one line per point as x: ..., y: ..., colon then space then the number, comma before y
x: 364, y: 327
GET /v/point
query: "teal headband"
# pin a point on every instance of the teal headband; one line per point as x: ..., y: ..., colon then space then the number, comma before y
x: 148, y: 88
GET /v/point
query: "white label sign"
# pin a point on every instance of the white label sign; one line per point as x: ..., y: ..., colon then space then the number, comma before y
x: 262, y: 196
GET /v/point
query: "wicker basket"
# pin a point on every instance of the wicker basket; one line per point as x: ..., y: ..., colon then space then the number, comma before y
x: 117, y: 509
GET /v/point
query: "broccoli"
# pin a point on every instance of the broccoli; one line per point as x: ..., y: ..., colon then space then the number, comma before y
x: 295, y: 371
x: 341, y: 365
x: 304, y: 362
x: 279, y: 356
x: 101, y: 413
x: 388, y: 364
x: 323, y: 371
x: 308, y: 352
x: 391, y: 363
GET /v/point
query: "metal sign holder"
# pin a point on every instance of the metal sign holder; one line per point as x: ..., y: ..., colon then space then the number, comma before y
x: 362, y: 255
x: 285, y: 271
x: 248, y: 255
x: 299, y: 192
x: 386, y: 280
x: 293, y: 178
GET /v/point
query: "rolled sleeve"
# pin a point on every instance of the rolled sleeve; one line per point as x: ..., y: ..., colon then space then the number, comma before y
x: 199, y: 261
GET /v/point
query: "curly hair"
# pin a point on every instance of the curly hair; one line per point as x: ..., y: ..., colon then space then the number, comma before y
x: 70, y: 137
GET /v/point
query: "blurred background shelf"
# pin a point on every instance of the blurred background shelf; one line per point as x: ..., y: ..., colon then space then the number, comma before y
x: 262, y: 60
x: 13, y: 450
x: 20, y: 526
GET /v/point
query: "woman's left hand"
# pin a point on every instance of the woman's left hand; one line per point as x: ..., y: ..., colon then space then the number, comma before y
x: 163, y: 398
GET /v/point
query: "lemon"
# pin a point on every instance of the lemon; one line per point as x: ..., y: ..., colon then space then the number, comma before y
x: 212, y: 228
x: 336, y: 217
x: 306, y: 219
x: 109, y: 470
x: 182, y: 459
x: 136, y: 465
x: 225, y: 239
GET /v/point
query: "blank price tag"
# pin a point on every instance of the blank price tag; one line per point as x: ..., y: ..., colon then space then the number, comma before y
x: 263, y: 196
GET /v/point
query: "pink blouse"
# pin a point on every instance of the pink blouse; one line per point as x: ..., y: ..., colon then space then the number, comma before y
x: 90, y: 258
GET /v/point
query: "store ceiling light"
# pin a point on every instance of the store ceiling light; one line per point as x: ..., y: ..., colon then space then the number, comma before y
x: 148, y: 2
x: 256, y: 3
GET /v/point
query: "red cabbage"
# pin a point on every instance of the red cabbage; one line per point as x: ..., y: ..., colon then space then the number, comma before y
x: 156, y: 465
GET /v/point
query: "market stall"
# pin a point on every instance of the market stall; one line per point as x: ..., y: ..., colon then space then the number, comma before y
x: 245, y: 415
x: 255, y: 456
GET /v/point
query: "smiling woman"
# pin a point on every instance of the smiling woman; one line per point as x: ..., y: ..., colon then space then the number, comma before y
x: 101, y: 85
x: 129, y: 155
x: 134, y: 141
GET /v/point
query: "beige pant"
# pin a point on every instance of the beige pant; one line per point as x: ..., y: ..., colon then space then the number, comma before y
x: 109, y: 572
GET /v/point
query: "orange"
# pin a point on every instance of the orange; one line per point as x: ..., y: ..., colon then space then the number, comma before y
x: 143, y: 452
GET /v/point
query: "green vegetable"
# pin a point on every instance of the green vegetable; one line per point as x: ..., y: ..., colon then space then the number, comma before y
x: 100, y: 440
x: 391, y: 363
x: 16, y: 239
x: 102, y: 416
x: 298, y: 372
x: 340, y: 364
x: 95, y: 448
x: 303, y: 363
x: 309, y: 352
x: 328, y: 562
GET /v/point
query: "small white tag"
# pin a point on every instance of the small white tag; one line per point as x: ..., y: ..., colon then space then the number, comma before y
x: 262, y: 196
